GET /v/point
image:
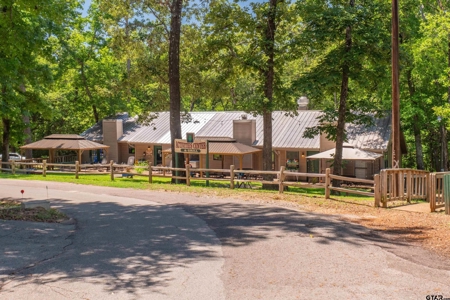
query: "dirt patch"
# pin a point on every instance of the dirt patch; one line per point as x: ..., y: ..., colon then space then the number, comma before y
x: 10, y: 209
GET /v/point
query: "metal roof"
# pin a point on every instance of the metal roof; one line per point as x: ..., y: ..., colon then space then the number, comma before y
x: 375, y: 137
x: 64, y: 137
x: 95, y: 133
x: 287, y: 129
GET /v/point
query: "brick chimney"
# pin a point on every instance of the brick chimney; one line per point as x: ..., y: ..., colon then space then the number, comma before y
x: 244, y: 131
x: 112, y: 131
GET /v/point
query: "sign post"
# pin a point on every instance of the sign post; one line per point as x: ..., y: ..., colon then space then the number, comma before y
x: 194, y: 147
x: 207, y: 162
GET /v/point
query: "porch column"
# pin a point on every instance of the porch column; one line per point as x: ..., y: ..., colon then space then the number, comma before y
x: 79, y: 156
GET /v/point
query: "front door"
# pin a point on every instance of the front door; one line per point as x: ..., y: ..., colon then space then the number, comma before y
x: 312, y: 166
x: 157, y: 156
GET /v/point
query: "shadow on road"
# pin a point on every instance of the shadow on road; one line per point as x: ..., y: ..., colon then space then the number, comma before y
x: 240, y: 224
x: 128, y: 248
x: 125, y: 248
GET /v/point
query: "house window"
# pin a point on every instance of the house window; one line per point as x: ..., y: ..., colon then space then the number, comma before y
x: 194, y: 157
x: 292, y: 160
x: 217, y: 157
x: 131, y: 149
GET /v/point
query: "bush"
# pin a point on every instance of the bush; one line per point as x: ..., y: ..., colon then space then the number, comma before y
x: 141, y: 167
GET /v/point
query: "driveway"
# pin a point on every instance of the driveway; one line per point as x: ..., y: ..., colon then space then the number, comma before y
x: 134, y: 244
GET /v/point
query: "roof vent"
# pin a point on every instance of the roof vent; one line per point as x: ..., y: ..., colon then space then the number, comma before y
x: 302, y: 103
x: 244, y: 117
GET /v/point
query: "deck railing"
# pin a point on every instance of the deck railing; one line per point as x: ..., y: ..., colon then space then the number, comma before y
x: 403, y: 185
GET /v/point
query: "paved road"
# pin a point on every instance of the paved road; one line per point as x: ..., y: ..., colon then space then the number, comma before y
x: 132, y: 244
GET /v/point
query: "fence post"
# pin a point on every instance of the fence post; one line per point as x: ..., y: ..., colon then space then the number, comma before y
x: 377, y: 190
x: 232, y: 177
x: 409, y: 182
x: 327, y: 183
x: 13, y: 167
x: 150, y: 173
x: 384, y: 183
x: 433, y: 192
x: 77, y: 167
x: 188, y: 175
x: 111, y: 169
x: 44, y: 168
x: 280, y: 181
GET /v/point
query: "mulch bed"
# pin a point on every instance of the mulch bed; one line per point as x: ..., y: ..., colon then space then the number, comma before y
x: 10, y: 209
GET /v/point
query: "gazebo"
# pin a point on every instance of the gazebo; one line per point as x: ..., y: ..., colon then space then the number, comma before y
x: 72, y: 142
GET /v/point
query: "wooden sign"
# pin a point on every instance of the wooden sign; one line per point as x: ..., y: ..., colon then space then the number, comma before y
x: 196, y: 147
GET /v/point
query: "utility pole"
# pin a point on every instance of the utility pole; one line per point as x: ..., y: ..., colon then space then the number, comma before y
x: 396, y: 151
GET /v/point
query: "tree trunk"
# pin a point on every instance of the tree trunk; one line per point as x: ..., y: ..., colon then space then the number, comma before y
x: 269, y: 73
x: 88, y: 92
x: 174, y: 81
x: 5, y: 140
x: 95, y: 112
x: 416, y: 125
x: 448, y: 99
x: 418, y: 143
x: 27, y: 133
x: 127, y: 35
x: 444, y: 148
x: 340, y: 130
x: 27, y: 130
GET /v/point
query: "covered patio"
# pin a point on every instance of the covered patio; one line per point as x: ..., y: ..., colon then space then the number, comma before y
x: 359, y: 158
x: 225, y: 148
x: 70, y: 142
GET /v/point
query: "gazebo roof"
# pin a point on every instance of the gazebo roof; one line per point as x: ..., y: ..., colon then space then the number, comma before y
x: 65, y: 142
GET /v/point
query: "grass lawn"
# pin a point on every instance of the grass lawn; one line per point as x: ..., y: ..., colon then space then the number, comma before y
x: 221, y: 188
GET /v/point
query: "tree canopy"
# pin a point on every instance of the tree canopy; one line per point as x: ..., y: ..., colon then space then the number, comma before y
x: 65, y: 70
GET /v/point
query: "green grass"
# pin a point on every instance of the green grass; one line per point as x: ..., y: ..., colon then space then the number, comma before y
x: 197, y: 186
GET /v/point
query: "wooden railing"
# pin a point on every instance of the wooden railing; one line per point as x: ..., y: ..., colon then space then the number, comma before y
x: 403, y: 184
x: 436, y: 195
x: 368, y: 184
x: 389, y: 185
x: 65, y: 159
x: 234, y: 177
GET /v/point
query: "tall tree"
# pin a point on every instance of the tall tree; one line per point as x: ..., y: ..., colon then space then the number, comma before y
x: 26, y: 30
x: 254, y: 46
x: 346, y: 46
x: 174, y: 79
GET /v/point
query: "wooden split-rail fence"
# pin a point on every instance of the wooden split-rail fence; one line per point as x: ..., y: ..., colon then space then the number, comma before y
x: 389, y: 185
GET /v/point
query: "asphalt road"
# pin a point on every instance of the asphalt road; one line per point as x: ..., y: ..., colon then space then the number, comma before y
x: 133, y: 244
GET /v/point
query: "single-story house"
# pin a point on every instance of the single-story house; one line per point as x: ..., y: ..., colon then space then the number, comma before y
x: 126, y: 137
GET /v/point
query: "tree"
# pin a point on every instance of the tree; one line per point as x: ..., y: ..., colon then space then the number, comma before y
x: 254, y: 48
x: 26, y: 30
x: 346, y: 48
